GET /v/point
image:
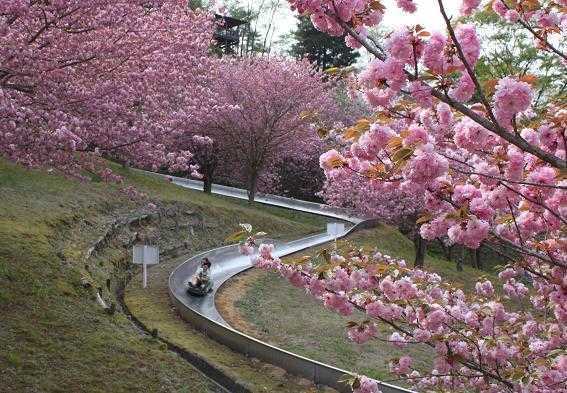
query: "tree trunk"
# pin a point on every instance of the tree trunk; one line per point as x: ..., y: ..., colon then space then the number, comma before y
x: 460, y: 260
x: 207, y: 185
x: 252, y: 185
x: 446, y: 249
x: 477, y: 258
x: 419, y: 249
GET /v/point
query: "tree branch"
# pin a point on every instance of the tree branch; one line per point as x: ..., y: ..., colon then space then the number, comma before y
x: 477, y: 118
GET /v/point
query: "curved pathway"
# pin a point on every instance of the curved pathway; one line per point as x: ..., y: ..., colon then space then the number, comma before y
x: 228, y: 262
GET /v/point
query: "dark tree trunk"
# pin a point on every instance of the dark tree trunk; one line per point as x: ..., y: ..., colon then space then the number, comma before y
x: 207, y: 185
x: 252, y: 186
x: 461, y: 260
x: 446, y: 249
x: 477, y: 258
x: 420, y: 245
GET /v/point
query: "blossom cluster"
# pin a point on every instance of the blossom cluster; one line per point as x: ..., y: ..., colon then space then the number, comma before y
x: 429, y: 148
x: 478, y: 340
x: 271, y: 105
x: 123, y: 79
x: 486, y: 169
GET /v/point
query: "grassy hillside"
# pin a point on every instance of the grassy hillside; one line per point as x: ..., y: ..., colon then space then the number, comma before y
x: 253, y: 303
x: 54, y: 336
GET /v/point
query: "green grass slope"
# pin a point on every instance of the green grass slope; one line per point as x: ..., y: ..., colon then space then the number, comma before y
x: 268, y: 307
x: 54, y: 337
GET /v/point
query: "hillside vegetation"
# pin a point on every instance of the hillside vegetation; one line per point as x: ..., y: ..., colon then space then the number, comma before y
x: 62, y: 241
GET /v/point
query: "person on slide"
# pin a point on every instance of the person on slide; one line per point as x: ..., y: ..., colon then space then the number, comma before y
x: 201, y: 278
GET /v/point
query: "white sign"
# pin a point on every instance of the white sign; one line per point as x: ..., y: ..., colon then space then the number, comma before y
x: 335, y: 229
x: 145, y: 255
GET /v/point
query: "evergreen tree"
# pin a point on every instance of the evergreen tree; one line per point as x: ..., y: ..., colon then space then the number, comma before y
x: 321, y: 48
x: 511, y: 51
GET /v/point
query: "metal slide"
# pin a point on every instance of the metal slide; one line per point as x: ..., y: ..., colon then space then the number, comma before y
x: 202, y: 313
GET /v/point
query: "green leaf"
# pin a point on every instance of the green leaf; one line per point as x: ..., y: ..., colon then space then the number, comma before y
x: 332, y: 70
x: 236, y: 236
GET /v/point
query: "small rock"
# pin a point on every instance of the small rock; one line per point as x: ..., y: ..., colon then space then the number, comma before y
x: 304, y: 382
x: 276, y: 371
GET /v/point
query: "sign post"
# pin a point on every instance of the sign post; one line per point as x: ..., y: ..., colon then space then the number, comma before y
x: 335, y: 229
x: 145, y: 255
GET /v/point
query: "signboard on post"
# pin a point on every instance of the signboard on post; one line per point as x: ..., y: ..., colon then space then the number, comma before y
x: 145, y: 255
x: 335, y: 228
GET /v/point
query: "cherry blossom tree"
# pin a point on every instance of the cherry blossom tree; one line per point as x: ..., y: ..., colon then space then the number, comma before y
x: 378, y: 199
x: 82, y: 79
x: 296, y: 173
x: 491, y: 170
x: 273, y: 104
x: 207, y: 156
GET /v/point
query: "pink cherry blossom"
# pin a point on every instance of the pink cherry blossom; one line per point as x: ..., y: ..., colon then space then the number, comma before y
x: 469, y: 41
x: 478, y: 167
x: 433, y: 57
x: 485, y: 288
x: 331, y: 160
x: 367, y: 385
x: 338, y: 303
x: 464, y: 89
x: 363, y: 333
x: 402, y: 366
x: 512, y: 16
x: 465, y: 193
x: 426, y: 166
x: 407, y: 5
x: 511, y: 98
x: 468, y: 6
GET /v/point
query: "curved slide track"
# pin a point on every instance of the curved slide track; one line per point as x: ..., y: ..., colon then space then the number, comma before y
x: 202, y: 313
